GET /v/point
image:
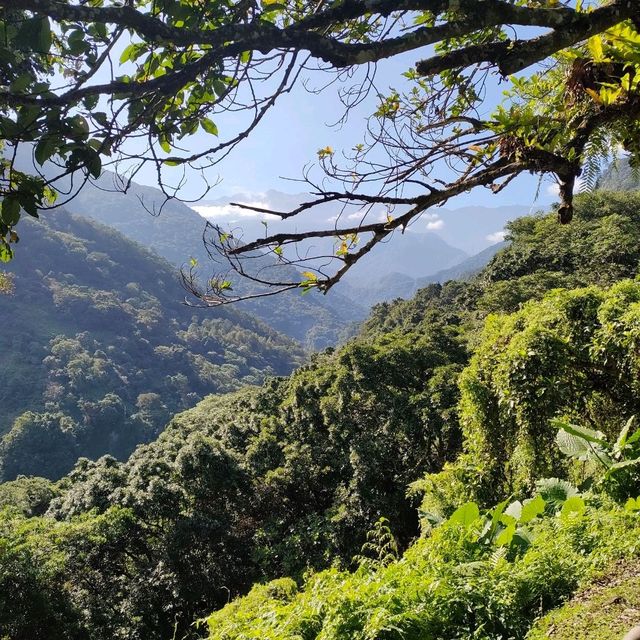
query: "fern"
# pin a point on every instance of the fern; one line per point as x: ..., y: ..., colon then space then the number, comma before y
x: 381, y: 547
x: 596, y: 152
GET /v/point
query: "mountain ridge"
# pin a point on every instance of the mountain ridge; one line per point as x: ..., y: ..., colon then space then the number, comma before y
x: 92, y: 320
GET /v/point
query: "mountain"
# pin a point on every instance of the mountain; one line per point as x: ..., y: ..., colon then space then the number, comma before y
x: 441, y: 240
x: 475, y: 228
x: 175, y: 232
x: 398, y: 267
x: 400, y: 285
x: 413, y: 254
x: 467, y: 268
x: 619, y: 176
x: 468, y: 229
x: 98, y: 351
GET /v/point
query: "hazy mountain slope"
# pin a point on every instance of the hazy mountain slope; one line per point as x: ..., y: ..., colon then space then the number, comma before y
x: 415, y: 253
x: 400, y: 285
x: 440, y: 241
x: 469, y: 229
x: 619, y: 176
x: 467, y: 268
x: 397, y: 269
x: 412, y: 254
x: 475, y: 228
x: 174, y: 231
x: 95, y: 336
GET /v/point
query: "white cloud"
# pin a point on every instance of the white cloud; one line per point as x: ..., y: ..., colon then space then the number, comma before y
x: 553, y: 189
x: 435, y: 225
x: 498, y: 236
x: 214, y: 212
x: 360, y: 215
x: 430, y: 216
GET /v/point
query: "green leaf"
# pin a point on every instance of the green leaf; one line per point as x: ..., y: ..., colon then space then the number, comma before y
x: 582, y: 432
x: 523, y: 537
x: 10, y: 210
x: 209, y: 126
x: 634, y: 437
x: 595, y: 48
x: 76, y: 42
x: 582, y: 443
x: 125, y: 56
x: 90, y: 102
x: 79, y: 126
x: 45, y: 148
x: 505, y: 537
x: 573, y: 506
x: 45, y: 37
x: 21, y: 83
x: 555, y: 491
x: 514, y: 510
x: 465, y: 515
x: 219, y: 87
x: 100, y: 29
x: 624, y: 463
x: 631, y: 505
x: 496, y: 517
x: 532, y: 509
x: 6, y: 254
x: 93, y: 162
x: 621, y: 441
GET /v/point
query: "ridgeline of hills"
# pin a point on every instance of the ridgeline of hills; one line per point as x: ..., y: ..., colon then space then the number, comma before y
x: 399, y: 268
x: 399, y: 285
x: 430, y: 251
x: 619, y: 176
x: 99, y: 352
x: 465, y: 230
x: 449, y: 392
x: 175, y: 232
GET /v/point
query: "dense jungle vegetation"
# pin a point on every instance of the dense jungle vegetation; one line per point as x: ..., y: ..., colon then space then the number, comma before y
x: 99, y: 352
x: 410, y: 484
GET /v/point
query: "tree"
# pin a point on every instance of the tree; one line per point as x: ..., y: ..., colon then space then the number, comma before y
x: 80, y: 106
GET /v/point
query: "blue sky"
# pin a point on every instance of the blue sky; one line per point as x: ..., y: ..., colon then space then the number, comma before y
x: 300, y: 124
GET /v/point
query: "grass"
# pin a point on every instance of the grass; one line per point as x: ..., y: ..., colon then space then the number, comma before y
x: 605, y: 610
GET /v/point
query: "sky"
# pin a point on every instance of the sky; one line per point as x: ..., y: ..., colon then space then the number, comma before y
x: 301, y: 123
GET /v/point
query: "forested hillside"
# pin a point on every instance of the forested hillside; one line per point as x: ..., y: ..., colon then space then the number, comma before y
x: 99, y: 352
x: 449, y: 393
x: 175, y: 232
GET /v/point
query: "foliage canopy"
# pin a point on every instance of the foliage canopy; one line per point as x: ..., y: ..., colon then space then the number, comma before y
x: 98, y: 352
x: 289, y: 477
